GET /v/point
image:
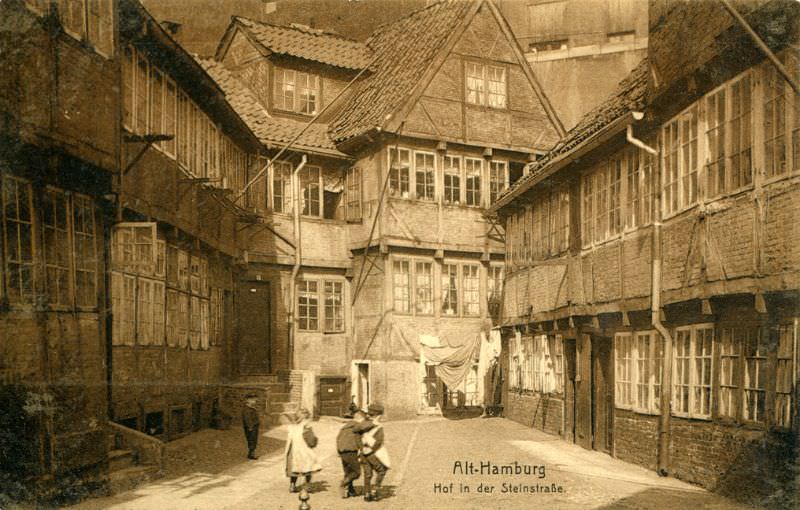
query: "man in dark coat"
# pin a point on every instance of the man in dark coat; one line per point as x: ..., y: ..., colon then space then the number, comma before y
x: 250, y: 422
x: 348, y: 444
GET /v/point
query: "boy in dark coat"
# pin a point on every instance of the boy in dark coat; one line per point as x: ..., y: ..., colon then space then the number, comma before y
x: 250, y: 422
x: 348, y: 444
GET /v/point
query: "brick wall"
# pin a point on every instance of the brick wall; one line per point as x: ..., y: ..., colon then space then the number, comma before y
x: 636, y: 438
x: 536, y: 410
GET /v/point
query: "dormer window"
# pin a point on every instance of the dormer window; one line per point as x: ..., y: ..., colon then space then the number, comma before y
x: 296, y: 91
x: 486, y: 85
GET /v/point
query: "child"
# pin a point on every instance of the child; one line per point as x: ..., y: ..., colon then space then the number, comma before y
x: 374, y: 454
x: 348, y: 443
x: 300, y: 458
x: 250, y: 422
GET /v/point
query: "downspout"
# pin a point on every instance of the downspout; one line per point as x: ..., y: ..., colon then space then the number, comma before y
x: 298, y: 253
x: 655, y: 310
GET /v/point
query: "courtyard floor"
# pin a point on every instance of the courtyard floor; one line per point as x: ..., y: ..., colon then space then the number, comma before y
x: 430, y: 470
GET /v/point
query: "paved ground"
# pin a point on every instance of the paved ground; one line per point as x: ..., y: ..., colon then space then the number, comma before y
x: 208, y: 471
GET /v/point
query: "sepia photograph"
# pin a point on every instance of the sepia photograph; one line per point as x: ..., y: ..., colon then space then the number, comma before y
x: 399, y: 254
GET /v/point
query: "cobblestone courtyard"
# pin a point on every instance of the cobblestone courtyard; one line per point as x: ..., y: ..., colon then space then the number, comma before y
x: 208, y: 471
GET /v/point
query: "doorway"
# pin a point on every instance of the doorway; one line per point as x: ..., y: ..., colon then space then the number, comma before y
x: 570, y: 402
x: 253, y: 353
x: 360, y: 389
x: 602, y: 395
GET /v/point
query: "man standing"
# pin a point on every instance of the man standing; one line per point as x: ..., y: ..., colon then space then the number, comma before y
x: 250, y: 421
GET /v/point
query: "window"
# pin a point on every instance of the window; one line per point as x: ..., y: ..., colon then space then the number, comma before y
x: 623, y: 370
x: 640, y: 184
x: 91, y: 20
x: 334, y: 307
x: 783, y: 376
x: 741, y: 161
x: 156, y: 103
x: 308, y: 305
x: 449, y: 283
x: 537, y: 364
x: 486, y: 85
x: 310, y: 190
x: 123, y: 306
x: 715, y: 139
x: 195, y: 323
x: 282, y: 186
x: 423, y: 288
x: 602, y: 196
x: 754, y: 385
x: 730, y: 349
x: 401, y: 276
x: 399, y: 171
x: 57, y: 247
x: 670, y: 176
x: 144, y: 312
x: 452, y: 180
x: 471, y: 283
x: 19, y: 239
x: 184, y: 129
x: 559, y: 222
x: 73, y: 17
x: 424, y: 175
x: 128, y: 80
x: 353, y: 194
x: 774, y: 122
x: 141, y: 95
x: 296, y: 91
x: 648, y: 355
x: 498, y: 179
x: 689, y: 157
x: 85, y: 250
x: 473, y: 168
x: 170, y: 113
x: 134, y: 247
x: 691, y: 379
x: 171, y: 327
x: 495, y: 282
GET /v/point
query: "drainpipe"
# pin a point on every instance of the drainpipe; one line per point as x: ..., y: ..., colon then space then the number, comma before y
x: 298, y: 252
x: 655, y: 310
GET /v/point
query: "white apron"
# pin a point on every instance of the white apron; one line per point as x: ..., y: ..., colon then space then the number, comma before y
x: 300, y: 459
x: 381, y: 453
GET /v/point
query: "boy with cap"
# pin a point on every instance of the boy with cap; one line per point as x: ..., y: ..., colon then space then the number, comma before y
x: 250, y: 422
x: 374, y: 456
x: 348, y: 444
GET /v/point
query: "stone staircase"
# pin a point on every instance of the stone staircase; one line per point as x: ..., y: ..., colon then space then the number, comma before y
x: 278, y: 396
x: 127, y: 464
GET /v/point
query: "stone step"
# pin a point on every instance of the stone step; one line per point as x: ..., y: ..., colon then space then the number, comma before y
x: 112, y: 441
x: 119, y: 460
x: 131, y: 477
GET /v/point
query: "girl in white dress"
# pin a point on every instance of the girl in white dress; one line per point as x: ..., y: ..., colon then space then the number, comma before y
x: 301, y: 460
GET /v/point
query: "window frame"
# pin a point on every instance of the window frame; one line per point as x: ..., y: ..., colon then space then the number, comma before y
x: 692, y: 383
x: 281, y: 74
x: 479, y: 85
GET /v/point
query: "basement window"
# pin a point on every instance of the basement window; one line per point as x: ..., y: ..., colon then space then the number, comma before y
x: 154, y: 423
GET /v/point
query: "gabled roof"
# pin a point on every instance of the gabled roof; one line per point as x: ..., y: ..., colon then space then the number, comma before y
x: 629, y: 96
x: 306, y: 43
x: 405, y: 53
x: 271, y: 131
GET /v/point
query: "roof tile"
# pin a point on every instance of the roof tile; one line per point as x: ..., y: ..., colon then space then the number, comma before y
x: 309, y: 44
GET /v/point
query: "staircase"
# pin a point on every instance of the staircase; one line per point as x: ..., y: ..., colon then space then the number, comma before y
x: 128, y: 465
x: 277, y: 396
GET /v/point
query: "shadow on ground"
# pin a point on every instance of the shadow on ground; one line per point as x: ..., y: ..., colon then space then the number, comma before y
x: 462, y: 413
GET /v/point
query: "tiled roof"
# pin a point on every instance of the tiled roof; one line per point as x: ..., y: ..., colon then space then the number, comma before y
x: 403, y: 50
x: 627, y: 97
x: 270, y: 130
x: 309, y: 44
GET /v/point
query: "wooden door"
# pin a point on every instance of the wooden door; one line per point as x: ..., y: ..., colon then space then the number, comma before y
x: 333, y: 395
x: 583, y: 391
x: 602, y: 395
x: 570, y: 402
x: 253, y: 321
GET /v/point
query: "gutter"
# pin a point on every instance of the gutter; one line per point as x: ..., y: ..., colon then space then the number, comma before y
x: 603, y: 135
x: 298, y: 252
x: 655, y: 312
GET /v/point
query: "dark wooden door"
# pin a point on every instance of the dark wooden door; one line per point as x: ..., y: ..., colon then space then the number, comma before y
x: 603, y: 396
x: 333, y: 395
x: 570, y: 402
x: 253, y: 321
x: 583, y: 391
